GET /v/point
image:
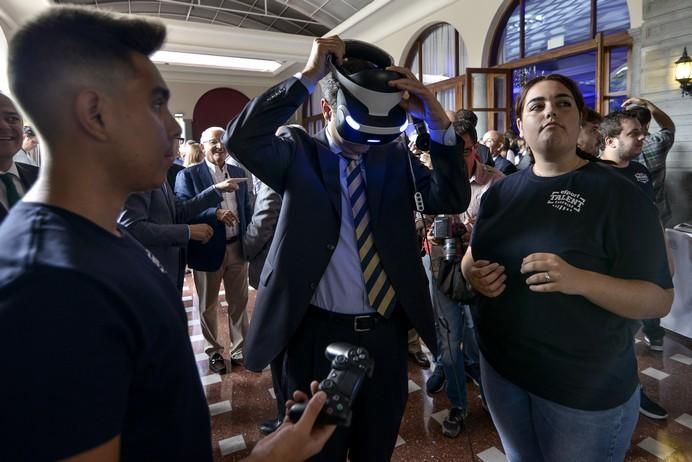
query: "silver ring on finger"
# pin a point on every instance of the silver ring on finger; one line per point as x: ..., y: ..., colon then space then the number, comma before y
x: 546, y: 276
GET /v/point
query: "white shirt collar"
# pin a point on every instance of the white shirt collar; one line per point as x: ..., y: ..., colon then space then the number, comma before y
x: 213, y: 167
x: 13, y: 170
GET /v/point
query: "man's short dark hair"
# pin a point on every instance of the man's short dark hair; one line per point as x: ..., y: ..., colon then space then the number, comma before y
x: 590, y: 116
x: 465, y: 127
x: 65, y: 47
x: 611, y: 125
x: 465, y: 114
x: 330, y: 86
x: 642, y: 114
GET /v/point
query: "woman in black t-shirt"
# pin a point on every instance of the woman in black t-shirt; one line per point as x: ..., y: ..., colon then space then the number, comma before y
x: 560, y: 296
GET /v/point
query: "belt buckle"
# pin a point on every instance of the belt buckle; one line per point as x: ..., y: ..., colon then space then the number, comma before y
x: 360, y: 329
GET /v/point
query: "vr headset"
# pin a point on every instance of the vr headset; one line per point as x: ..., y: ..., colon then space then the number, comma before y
x: 367, y: 109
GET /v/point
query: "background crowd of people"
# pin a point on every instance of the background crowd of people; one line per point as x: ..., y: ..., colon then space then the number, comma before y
x: 122, y: 205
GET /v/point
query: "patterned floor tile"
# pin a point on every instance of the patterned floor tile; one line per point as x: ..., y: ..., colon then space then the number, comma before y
x: 210, y: 379
x: 492, y: 455
x: 219, y: 408
x: 656, y: 448
x: 413, y: 386
x: 686, y: 421
x: 655, y: 373
x: 232, y: 445
x: 686, y: 360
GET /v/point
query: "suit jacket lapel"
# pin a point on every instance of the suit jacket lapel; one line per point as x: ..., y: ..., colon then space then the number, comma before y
x: 169, y: 198
x: 207, y: 179
x: 26, y: 176
x: 329, y: 165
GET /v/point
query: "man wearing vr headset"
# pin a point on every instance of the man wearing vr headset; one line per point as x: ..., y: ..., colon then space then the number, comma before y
x: 344, y: 264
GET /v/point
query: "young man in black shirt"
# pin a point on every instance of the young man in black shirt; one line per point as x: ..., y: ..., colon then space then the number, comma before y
x: 95, y: 316
x: 623, y: 139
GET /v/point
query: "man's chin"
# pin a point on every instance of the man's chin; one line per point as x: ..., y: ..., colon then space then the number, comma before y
x: 153, y: 182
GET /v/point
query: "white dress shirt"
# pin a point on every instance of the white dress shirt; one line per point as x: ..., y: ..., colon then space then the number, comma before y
x: 229, y: 201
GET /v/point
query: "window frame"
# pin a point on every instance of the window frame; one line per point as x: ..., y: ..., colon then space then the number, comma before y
x: 598, y: 41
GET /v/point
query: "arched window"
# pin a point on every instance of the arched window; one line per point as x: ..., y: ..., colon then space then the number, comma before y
x: 438, y: 57
x: 533, y: 27
x: 585, y: 40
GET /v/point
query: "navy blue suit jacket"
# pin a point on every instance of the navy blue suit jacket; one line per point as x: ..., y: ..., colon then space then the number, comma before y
x: 306, y: 173
x: 192, y: 181
x: 505, y: 166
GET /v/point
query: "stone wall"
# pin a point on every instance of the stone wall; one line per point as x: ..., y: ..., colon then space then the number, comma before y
x: 659, y: 42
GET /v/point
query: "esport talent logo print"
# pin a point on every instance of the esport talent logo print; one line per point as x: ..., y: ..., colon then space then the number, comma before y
x: 567, y: 201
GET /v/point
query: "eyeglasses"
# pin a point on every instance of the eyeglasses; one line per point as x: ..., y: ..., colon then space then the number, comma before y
x: 180, y: 140
x: 212, y: 141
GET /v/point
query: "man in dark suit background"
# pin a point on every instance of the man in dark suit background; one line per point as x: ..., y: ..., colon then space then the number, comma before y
x: 312, y: 288
x: 177, y: 165
x: 258, y: 238
x: 158, y: 220
x: 15, y: 177
x: 222, y: 258
x: 494, y: 140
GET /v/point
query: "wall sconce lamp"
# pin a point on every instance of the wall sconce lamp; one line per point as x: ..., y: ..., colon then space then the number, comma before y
x: 683, y: 73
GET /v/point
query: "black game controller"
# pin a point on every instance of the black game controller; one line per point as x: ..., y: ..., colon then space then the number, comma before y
x: 350, y: 365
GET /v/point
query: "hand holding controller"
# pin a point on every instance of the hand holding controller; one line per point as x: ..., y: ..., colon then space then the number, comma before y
x: 350, y: 365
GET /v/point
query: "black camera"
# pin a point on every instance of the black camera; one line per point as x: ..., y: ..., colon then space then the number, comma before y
x: 449, y: 229
x: 350, y: 365
x: 422, y: 135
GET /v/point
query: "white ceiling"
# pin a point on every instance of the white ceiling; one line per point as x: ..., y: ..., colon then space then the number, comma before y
x: 305, y: 17
x: 197, y: 32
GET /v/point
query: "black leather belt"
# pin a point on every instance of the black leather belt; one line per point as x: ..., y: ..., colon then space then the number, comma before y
x: 358, y: 322
x: 231, y: 240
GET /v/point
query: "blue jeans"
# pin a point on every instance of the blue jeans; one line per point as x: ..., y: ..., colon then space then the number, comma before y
x: 456, y: 340
x: 533, y: 429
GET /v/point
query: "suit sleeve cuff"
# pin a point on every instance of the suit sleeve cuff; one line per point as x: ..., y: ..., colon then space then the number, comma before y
x: 446, y: 137
x: 307, y: 83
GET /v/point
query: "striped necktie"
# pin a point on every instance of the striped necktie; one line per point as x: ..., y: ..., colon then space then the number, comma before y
x: 381, y: 294
x: 10, y: 188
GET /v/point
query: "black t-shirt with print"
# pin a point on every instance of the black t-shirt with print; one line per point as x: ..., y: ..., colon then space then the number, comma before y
x: 93, y: 344
x: 563, y: 347
x: 639, y: 175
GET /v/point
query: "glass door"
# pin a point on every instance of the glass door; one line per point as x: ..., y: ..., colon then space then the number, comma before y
x: 489, y: 95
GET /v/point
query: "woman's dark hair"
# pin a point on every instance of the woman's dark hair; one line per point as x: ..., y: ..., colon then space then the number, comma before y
x: 565, y: 81
x: 576, y: 94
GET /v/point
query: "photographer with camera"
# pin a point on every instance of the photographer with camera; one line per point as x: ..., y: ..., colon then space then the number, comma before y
x: 345, y: 265
x: 451, y: 295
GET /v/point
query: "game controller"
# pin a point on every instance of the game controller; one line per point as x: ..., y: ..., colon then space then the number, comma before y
x: 350, y: 365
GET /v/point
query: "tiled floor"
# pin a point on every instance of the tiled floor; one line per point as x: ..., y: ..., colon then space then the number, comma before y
x: 241, y: 399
